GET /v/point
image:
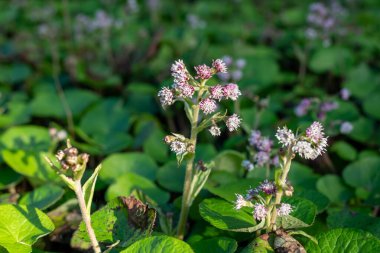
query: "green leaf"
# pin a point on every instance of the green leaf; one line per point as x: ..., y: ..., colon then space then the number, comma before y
x: 8, y: 177
x: 344, y: 150
x: 259, y: 245
x: 303, y: 176
x: 364, y: 173
x: 228, y: 191
x: 123, y: 219
x: 47, y: 103
x: 333, y: 188
x: 334, y: 59
x: 361, y: 81
x: 230, y: 161
x: 303, y: 214
x: 363, y: 129
x: 89, y: 188
x: 371, y: 105
x: 167, y: 173
x: 215, y: 245
x: 222, y: 214
x: 318, y: 199
x: 128, y: 182
x: 31, y: 138
x: 29, y: 164
x: 159, y: 244
x: 21, y: 226
x: 118, y: 164
x: 43, y: 197
x: 349, y: 219
x: 344, y: 240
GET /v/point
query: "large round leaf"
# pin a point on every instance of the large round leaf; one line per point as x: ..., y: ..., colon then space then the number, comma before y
x: 171, y: 171
x: 371, y: 105
x: 129, y: 182
x: 122, y: 219
x: 344, y: 240
x: 303, y: 214
x: 118, y: 164
x: 43, y: 197
x: 8, y: 177
x: 364, y: 173
x: 230, y: 161
x: 159, y: 244
x: 215, y: 245
x: 361, y: 81
x: 31, y: 138
x: 334, y: 59
x: 21, y: 226
x: 222, y: 214
x: 228, y: 191
x: 333, y: 188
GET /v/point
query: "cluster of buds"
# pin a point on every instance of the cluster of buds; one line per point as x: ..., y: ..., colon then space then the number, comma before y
x: 261, y: 206
x: 179, y: 144
x: 309, y: 145
x: 325, y: 21
x: 193, y: 91
x: 71, y: 162
x: 260, y: 148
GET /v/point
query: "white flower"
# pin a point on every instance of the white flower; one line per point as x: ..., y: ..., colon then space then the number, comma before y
x: 233, y: 122
x: 214, y: 130
x: 240, y: 202
x: 208, y: 105
x: 260, y: 212
x: 304, y: 149
x: 178, y: 147
x: 285, y: 209
x: 166, y: 96
x: 285, y: 136
x: 315, y: 132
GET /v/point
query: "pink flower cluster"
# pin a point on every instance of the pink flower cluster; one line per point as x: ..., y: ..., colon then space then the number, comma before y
x: 185, y: 86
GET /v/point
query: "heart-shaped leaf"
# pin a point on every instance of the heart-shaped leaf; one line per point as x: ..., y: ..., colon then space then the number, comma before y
x: 21, y: 226
x: 129, y: 182
x: 159, y: 244
x: 303, y: 214
x: 123, y: 219
x: 344, y: 240
x: 223, y: 215
x: 43, y: 197
x: 215, y: 245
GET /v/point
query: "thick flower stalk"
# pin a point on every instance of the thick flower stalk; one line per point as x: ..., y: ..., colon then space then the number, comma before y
x: 71, y: 168
x: 201, y: 106
x: 266, y: 199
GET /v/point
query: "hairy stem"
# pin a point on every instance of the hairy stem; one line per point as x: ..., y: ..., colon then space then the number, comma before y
x: 86, y: 217
x: 280, y: 184
x: 189, y: 172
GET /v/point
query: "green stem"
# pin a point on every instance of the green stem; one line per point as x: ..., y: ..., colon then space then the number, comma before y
x: 280, y: 184
x: 189, y: 170
x: 86, y: 217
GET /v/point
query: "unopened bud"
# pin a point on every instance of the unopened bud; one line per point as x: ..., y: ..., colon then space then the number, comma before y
x: 169, y: 139
x: 288, y: 190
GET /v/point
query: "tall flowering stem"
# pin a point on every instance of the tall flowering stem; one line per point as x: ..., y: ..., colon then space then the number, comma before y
x: 71, y: 169
x: 268, y: 195
x: 201, y: 104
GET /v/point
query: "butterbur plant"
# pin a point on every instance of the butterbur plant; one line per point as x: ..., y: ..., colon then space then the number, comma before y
x: 70, y: 168
x: 201, y: 102
x: 266, y: 200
